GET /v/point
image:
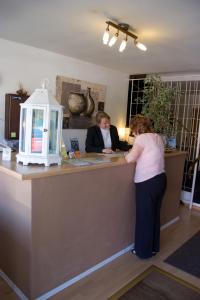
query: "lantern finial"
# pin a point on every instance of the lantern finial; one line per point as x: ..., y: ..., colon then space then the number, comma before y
x: 45, y: 83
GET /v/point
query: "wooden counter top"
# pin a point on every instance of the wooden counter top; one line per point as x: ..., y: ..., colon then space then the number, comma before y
x: 35, y: 171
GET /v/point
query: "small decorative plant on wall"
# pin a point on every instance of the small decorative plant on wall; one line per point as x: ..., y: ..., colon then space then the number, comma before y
x: 157, y: 105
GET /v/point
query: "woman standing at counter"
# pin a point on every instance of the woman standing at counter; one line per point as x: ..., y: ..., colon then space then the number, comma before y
x: 103, y: 137
x: 150, y: 181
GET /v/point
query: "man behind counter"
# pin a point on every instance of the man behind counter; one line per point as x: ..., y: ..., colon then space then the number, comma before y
x: 103, y: 137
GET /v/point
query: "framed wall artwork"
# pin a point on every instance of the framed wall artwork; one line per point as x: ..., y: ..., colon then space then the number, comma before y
x: 81, y: 101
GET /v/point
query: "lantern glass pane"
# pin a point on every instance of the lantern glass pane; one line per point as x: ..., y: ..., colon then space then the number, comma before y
x: 53, y: 133
x: 37, y: 130
x: 23, y: 130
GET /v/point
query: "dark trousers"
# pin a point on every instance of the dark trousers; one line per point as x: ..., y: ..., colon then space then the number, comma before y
x: 149, y: 196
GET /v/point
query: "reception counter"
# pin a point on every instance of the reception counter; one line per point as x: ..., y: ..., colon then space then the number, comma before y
x: 60, y: 223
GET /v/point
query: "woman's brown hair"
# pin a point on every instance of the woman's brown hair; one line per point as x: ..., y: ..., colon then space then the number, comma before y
x: 101, y: 115
x: 141, y: 124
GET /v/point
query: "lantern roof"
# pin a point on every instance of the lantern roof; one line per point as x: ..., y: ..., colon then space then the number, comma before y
x: 41, y: 97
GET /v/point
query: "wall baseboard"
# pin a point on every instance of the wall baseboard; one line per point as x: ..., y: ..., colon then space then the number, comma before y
x: 170, y: 223
x: 11, y: 284
x: 196, y: 206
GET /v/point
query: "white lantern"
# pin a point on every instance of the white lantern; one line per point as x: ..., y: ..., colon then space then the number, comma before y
x: 40, y: 129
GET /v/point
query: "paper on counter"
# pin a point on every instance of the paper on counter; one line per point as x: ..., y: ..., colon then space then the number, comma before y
x: 88, y: 161
x: 116, y: 154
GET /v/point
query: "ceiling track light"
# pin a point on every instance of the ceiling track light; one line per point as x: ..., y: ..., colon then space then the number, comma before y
x: 124, y: 28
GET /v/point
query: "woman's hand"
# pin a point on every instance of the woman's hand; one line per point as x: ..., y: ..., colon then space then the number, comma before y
x: 107, y: 151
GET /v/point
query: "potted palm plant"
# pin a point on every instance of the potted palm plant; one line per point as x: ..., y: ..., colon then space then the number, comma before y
x: 157, y: 99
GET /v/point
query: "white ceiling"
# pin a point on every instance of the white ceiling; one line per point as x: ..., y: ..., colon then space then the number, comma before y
x: 169, y: 28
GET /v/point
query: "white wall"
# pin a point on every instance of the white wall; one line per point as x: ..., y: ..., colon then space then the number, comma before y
x: 180, y: 76
x: 28, y: 65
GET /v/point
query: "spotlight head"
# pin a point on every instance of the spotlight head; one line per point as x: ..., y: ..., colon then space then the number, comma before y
x: 140, y: 46
x: 106, y: 36
x: 113, y: 39
x: 123, y: 45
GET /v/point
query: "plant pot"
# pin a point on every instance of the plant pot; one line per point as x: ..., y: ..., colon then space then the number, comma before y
x: 171, y: 142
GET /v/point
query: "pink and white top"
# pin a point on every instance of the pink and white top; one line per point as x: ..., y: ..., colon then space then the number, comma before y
x: 148, y: 153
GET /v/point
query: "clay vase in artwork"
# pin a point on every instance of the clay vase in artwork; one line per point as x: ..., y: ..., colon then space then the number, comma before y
x: 90, y: 104
x: 77, y: 103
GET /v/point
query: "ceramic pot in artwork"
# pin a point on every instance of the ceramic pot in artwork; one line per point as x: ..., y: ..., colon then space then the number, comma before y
x: 77, y: 103
x: 90, y: 104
